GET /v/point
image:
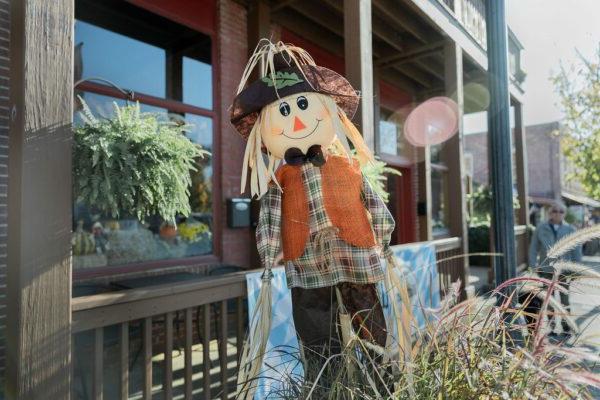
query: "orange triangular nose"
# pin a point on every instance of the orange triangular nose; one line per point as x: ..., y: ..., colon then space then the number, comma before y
x: 298, y: 125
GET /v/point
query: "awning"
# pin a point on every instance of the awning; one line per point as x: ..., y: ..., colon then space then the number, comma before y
x: 541, y: 200
x: 581, y: 199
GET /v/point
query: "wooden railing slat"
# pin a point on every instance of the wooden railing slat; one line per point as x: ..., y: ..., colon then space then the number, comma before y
x: 206, y: 351
x: 124, y: 349
x: 188, y: 353
x: 98, y: 375
x: 147, y: 348
x: 240, y: 327
x: 168, y: 370
x: 223, y: 349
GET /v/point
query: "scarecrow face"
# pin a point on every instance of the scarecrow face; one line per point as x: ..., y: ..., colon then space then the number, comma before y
x: 300, y: 120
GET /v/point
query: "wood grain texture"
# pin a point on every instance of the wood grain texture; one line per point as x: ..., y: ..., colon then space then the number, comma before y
x: 358, y: 50
x: 453, y: 156
x: 39, y: 200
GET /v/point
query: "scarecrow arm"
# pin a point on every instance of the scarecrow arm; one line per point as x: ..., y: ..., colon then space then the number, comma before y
x: 381, y: 219
x: 268, y: 230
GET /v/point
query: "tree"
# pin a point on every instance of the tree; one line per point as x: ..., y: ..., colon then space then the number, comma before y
x: 579, y: 91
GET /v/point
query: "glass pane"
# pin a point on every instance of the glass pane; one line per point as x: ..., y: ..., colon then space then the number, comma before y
x: 129, y: 63
x: 391, y: 138
x: 388, y: 137
x: 197, y: 83
x: 436, y: 153
x: 439, y: 200
x: 168, y: 68
x: 101, y: 240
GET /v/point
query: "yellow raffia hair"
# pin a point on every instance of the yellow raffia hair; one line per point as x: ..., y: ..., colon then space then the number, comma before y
x: 263, y: 171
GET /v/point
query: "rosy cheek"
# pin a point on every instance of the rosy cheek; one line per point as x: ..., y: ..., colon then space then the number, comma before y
x: 323, y: 113
x: 276, y: 130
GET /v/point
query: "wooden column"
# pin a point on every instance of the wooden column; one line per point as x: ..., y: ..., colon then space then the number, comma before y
x: 39, y: 200
x: 424, y: 204
x: 453, y: 153
x: 358, y: 57
x: 521, y: 165
x: 376, y: 111
x: 259, y: 22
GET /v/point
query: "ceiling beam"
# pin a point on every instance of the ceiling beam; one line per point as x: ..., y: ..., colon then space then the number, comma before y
x: 281, y: 4
x: 407, y: 56
x: 394, y: 13
x: 312, y: 32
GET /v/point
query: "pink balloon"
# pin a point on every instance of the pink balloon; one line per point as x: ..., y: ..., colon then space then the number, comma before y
x: 432, y: 122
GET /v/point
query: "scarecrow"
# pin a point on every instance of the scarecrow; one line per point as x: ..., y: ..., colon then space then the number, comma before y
x: 316, y: 206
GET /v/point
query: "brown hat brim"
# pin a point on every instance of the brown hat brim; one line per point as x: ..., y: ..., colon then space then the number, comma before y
x: 260, y: 93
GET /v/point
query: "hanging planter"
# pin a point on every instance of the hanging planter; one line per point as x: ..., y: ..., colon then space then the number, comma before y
x: 134, y: 163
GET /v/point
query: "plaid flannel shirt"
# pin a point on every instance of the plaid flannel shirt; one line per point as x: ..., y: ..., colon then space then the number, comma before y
x: 330, y: 261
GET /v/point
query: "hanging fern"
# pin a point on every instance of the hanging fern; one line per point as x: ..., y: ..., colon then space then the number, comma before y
x: 134, y: 163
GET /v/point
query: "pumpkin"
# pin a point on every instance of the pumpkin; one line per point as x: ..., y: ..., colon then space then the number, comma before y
x: 167, y: 231
x: 83, y: 242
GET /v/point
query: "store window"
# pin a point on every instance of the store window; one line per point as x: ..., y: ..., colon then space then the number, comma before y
x: 439, y: 192
x: 391, y: 138
x: 168, y: 67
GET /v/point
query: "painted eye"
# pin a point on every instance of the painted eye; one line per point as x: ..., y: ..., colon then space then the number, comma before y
x: 302, y: 102
x: 284, y: 109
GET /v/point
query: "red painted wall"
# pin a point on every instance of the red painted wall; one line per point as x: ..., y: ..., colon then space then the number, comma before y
x: 196, y: 14
x: 321, y: 56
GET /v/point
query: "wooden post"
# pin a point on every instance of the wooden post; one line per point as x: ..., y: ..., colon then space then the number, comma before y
x: 503, y: 225
x: 521, y: 165
x: 358, y: 57
x: 259, y: 22
x: 453, y: 156
x: 424, y: 205
x: 38, y: 331
x: 376, y: 111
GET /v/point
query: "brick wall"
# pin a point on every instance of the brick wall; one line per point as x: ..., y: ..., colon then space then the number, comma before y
x: 233, y: 54
x: 4, y: 72
x: 543, y: 159
x: 476, y: 144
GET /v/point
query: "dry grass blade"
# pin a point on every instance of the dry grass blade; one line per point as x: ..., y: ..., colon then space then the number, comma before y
x: 578, y: 269
x: 573, y: 240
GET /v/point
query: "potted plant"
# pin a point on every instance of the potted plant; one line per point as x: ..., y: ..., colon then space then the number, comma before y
x: 135, y: 163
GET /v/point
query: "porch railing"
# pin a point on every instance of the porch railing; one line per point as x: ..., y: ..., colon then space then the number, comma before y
x: 176, y: 340
x: 471, y: 14
x: 521, y: 244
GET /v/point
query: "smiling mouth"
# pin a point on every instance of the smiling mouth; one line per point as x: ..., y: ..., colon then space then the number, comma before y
x: 305, y: 136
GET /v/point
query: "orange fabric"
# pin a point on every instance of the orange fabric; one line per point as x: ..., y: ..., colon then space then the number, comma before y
x: 342, y: 188
x: 294, y: 212
x: 342, y: 191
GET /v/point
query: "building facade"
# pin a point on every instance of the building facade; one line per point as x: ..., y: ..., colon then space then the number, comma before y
x: 183, y: 59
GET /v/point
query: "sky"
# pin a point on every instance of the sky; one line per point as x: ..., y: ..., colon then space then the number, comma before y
x: 550, y: 31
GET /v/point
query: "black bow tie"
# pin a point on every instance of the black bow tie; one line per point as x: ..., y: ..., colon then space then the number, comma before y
x: 314, y: 155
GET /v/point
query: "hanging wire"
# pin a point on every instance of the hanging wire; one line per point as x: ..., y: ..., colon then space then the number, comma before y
x: 129, y: 94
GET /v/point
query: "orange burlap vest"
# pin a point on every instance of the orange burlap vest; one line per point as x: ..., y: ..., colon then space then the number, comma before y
x: 342, y: 188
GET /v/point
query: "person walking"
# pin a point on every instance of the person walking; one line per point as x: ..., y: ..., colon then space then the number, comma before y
x: 545, y: 236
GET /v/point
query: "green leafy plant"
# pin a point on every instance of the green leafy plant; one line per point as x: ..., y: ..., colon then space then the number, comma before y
x: 134, y: 163
x: 579, y: 91
x: 376, y: 174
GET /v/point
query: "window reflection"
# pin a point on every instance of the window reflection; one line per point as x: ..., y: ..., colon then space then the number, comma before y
x: 439, y: 200
x: 391, y: 137
x: 101, y: 240
x: 127, y: 62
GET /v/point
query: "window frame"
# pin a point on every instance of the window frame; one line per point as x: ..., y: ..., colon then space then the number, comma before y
x: 173, y: 106
x: 442, y: 169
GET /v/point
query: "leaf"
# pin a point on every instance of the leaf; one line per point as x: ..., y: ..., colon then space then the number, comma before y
x: 134, y: 163
x: 282, y: 79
